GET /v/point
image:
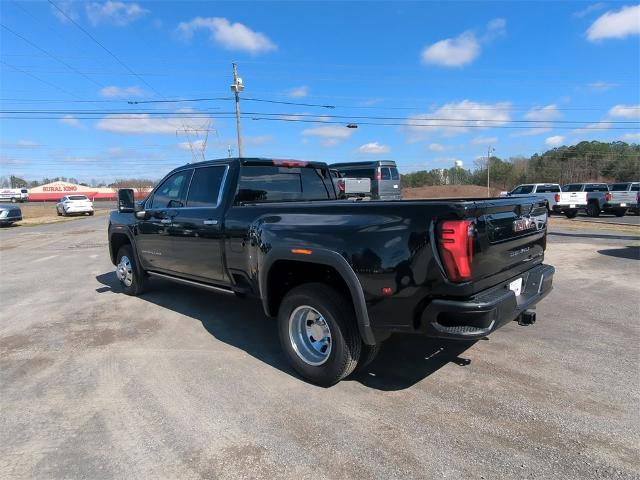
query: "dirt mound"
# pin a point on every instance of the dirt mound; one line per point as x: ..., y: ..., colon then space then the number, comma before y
x: 448, y: 191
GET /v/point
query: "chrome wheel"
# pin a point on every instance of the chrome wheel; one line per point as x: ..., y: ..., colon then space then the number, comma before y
x: 124, y: 271
x: 310, y: 335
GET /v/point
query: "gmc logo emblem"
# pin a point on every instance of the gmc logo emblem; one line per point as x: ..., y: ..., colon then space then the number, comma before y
x: 523, y: 224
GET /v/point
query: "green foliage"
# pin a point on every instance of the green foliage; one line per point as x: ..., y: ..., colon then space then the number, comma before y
x: 584, y: 162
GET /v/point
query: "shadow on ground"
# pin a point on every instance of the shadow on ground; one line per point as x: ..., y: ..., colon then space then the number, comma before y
x: 594, y: 235
x: 629, y: 252
x: 403, y: 360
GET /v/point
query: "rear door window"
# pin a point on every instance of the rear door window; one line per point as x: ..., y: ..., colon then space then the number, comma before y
x: 171, y: 193
x: 369, y: 173
x: 385, y: 173
x: 394, y: 173
x: 524, y: 189
x: 596, y: 188
x: 548, y: 189
x: 280, y: 184
x: 204, y: 190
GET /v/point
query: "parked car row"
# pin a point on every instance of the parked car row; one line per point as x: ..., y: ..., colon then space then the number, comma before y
x: 592, y: 198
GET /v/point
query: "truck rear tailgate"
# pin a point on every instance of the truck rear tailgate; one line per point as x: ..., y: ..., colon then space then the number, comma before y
x: 509, y: 237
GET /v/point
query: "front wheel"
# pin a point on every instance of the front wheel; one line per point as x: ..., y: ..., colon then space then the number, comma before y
x: 131, y: 281
x: 570, y: 213
x: 318, y: 333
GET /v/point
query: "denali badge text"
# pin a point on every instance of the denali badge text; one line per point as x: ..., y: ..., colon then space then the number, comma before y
x: 151, y: 252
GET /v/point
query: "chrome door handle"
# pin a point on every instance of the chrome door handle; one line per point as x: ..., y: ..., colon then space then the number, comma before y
x: 210, y: 222
x: 166, y: 221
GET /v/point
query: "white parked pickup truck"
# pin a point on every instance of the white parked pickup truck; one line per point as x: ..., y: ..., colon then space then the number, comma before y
x: 625, y: 195
x: 557, y: 201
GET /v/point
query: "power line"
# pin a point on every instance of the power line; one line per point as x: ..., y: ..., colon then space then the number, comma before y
x: 38, y: 78
x: 104, y: 48
x: 51, y: 55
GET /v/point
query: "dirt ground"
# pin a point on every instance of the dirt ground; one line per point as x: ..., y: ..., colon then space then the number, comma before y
x: 40, y: 213
x: 448, y: 191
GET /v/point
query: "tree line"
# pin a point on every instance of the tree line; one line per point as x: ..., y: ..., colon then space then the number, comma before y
x: 584, y: 162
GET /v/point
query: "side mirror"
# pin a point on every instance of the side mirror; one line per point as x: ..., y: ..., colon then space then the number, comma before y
x: 126, y: 203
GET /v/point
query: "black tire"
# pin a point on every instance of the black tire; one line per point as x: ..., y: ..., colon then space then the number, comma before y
x: 58, y: 212
x: 368, y: 353
x: 570, y: 213
x: 593, y: 210
x: 620, y: 212
x: 339, y: 316
x: 138, y: 282
x: 91, y: 214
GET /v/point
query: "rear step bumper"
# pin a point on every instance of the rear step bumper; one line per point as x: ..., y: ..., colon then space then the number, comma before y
x: 488, y: 310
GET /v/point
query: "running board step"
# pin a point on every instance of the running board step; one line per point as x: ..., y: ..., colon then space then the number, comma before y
x: 192, y: 283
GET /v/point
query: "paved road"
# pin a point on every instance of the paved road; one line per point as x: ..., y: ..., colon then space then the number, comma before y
x: 184, y: 383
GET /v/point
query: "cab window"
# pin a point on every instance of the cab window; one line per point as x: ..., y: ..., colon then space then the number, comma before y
x: 548, y: 189
x: 572, y: 188
x: 171, y: 193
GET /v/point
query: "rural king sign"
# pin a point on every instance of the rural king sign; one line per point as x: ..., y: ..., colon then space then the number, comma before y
x: 60, y: 188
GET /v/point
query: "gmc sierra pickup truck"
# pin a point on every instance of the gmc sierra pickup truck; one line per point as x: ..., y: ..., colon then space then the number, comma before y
x: 339, y: 275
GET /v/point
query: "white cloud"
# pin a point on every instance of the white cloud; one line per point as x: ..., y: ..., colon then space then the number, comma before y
x: 616, y: 24
x: 26, y: 143
x: 455, y: 118
x: 593, y: 127
x: 625, y: 111
x: 631, y: 137
x: 329, y: 135
x: 531, y: 132
x: 480, y: 140
x: 497, y: 24
x: 142, y: 123
x: 374, y: 148
x: 590, y: 9
x: 549, y: 112
x: 113, y: 91
x: 436, y: 147
x: 71, y: 121
x: 68, y: 7
x: 602, y: 86
x: 196, y: 145
x: 495, y: 28
x: 554, y: 141
x: 232, y: 36
x: 452, y: 52
x: 257, y: 140
x: 299, y: 92
x: 114, y: 12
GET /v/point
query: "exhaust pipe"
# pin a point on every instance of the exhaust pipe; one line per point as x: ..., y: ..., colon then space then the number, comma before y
x: 528, y: 317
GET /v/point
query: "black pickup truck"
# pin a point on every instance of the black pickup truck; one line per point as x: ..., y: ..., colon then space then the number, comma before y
x: 339, y: 275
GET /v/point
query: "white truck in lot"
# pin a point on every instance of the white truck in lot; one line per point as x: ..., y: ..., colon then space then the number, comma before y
x: 568, y: 203
x: 625, y: 195
x: 14, y: 194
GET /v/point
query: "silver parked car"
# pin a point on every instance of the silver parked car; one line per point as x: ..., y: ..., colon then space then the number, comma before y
x: 9, y: 214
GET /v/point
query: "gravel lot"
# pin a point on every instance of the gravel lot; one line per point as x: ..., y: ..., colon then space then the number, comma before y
x: 184, y: 383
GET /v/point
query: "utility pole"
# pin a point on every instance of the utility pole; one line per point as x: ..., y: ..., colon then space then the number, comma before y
x: 489, y: 150
x: 236, y: 88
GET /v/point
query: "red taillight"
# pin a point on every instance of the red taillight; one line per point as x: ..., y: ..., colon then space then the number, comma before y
x: 378, y: 174
x: 290, y: 163
x: 456, y: 248
x: 607, y: 197
x: 557, y: 197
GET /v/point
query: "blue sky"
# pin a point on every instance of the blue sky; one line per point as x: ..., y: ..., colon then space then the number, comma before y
x: 428, y: 70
